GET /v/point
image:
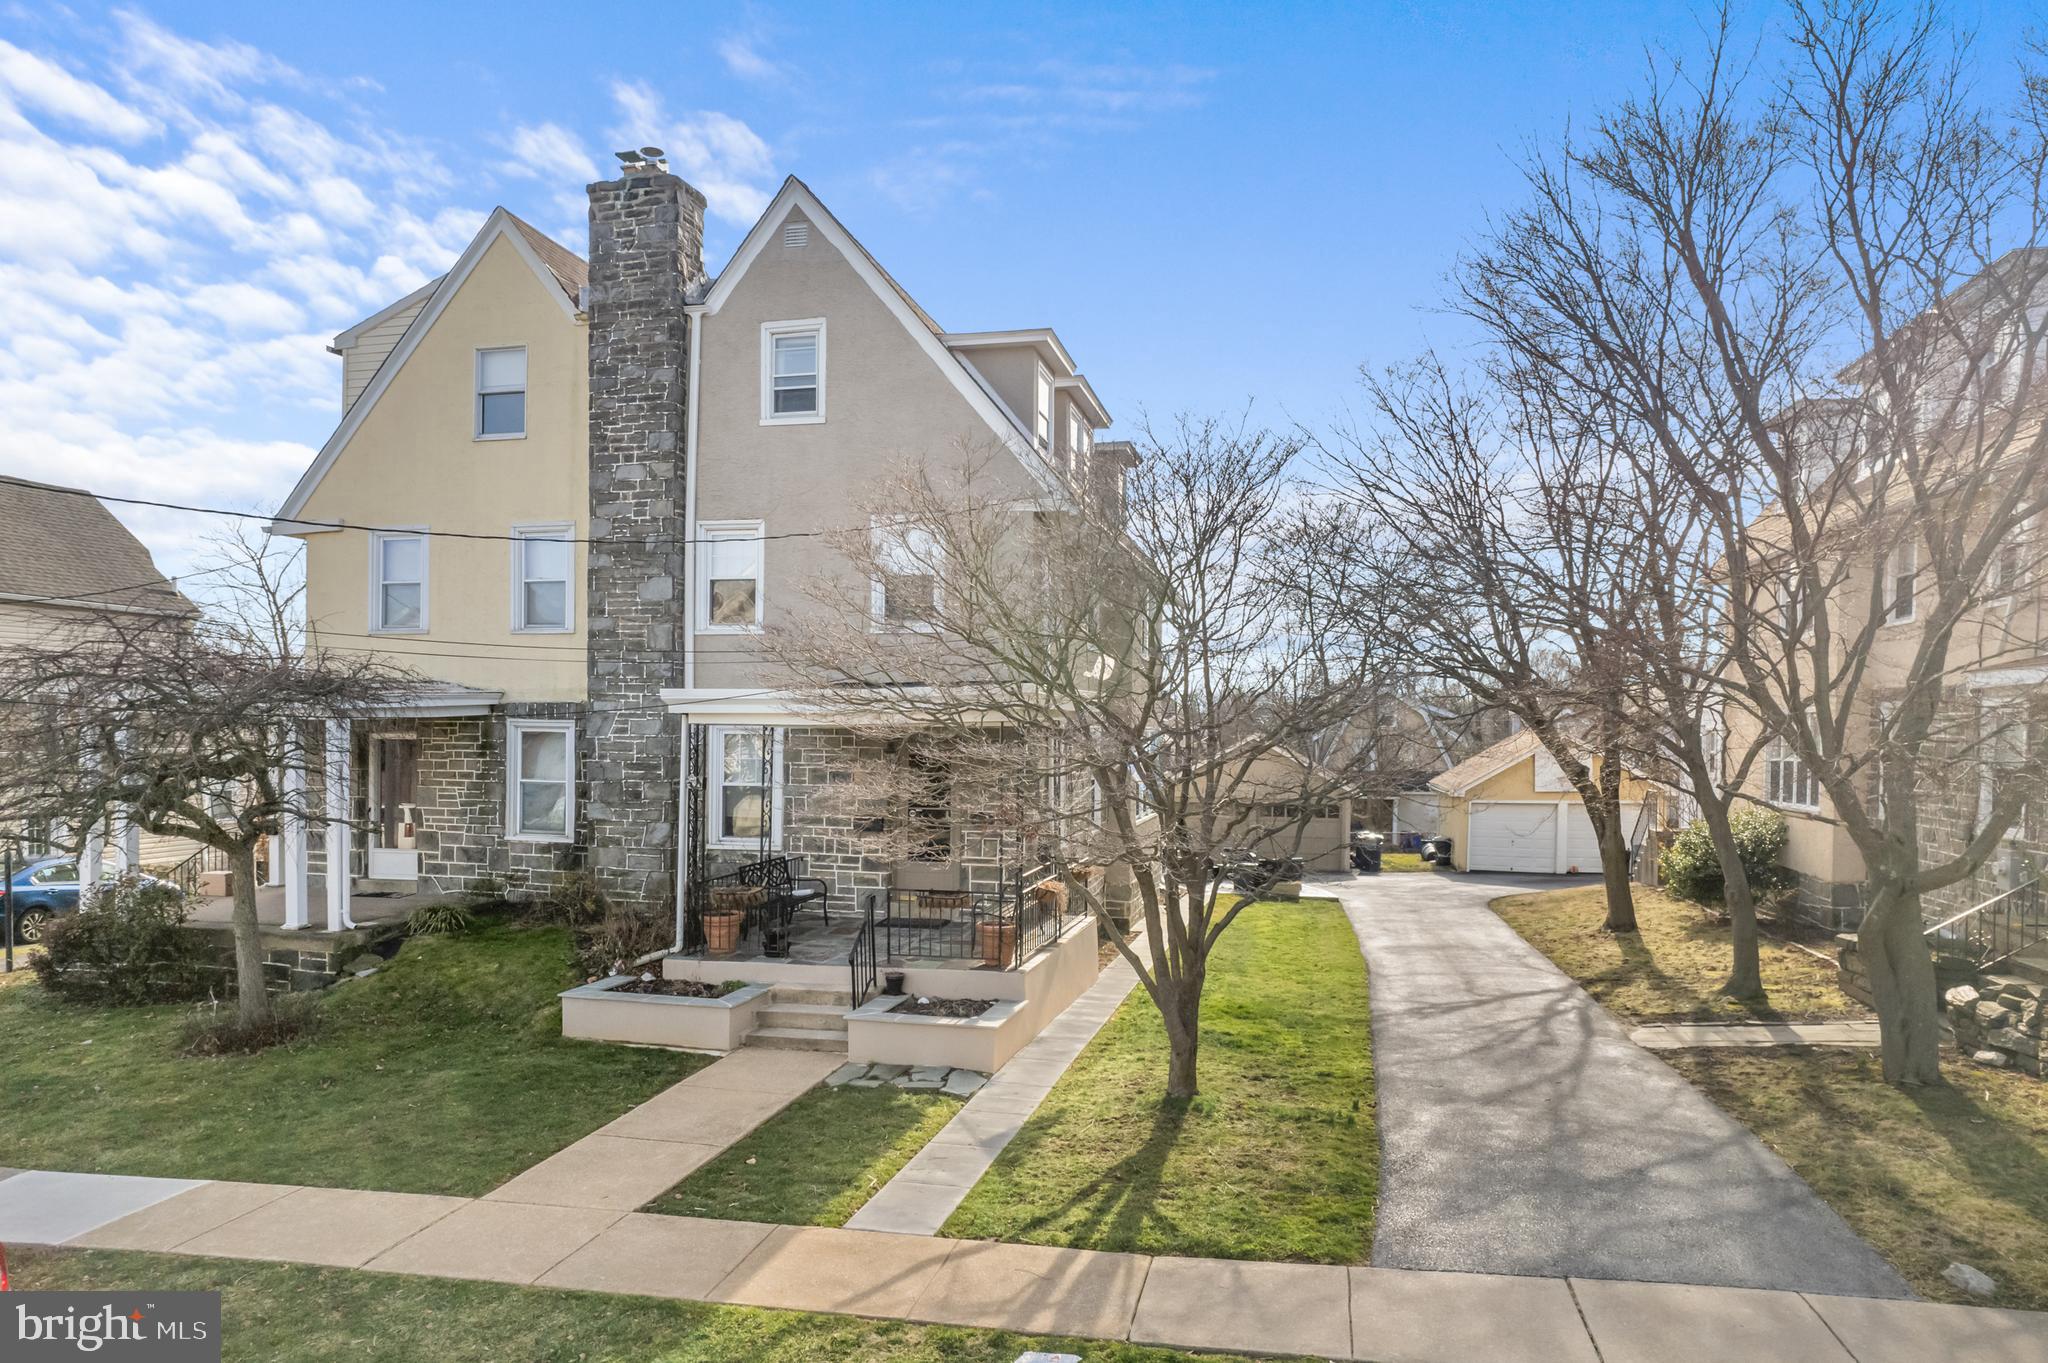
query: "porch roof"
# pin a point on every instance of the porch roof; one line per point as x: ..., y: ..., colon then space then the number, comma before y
x: 786, y: 706
x: 434, y: 700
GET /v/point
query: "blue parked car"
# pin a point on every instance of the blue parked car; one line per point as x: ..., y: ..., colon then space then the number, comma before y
x: 43, y: 889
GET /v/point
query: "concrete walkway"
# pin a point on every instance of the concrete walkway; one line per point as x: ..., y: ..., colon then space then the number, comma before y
x: 1523, y: 1132
x: 1386, y: 1315
x: 937, y: 1179
x: 1685, y: 1036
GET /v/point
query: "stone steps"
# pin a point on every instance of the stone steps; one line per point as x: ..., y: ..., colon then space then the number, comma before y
x: 797, y: 1039
x: 807, y: 1017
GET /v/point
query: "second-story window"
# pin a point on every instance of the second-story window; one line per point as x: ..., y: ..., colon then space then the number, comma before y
x: 1041, y: 420
x: 501, y: 393
x: 398, y: 582
x: 1899, y: 569
x: 905, y: 593
x: 543, y: 597
x: 793, y: 371
x: 1788, y: 780
x: 729, y: 575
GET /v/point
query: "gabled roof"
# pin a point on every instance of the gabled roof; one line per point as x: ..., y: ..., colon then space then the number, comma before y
x: 1486, y: 762
x: 555, y: 265
x: 64, y: 548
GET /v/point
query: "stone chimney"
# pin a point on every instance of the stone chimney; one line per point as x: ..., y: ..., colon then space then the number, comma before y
x: 646, y: 254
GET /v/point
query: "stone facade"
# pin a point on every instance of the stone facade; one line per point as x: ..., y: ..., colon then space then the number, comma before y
x: 646, y: 253
x: 2002, y: 1020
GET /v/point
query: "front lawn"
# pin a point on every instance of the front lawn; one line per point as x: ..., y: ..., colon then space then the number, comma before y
x: 284, y: 1313
x: 1928, y: 1177
x: 1404, y: 861
x: 1671, y: 969
x: 816, y: 1162
x: 1278, y: 1158
x: 445, y: 1072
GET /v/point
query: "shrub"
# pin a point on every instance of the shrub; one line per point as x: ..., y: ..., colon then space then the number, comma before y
x: 488, y: 894
x: 130, y: 947
x: 1690, y: 869
x: 212, y: 1030
x: 623, y: 937
x: 440, y: 917
x: 578, y: 901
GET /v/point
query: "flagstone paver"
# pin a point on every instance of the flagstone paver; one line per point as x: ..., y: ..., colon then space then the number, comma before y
x: 45, y: 1208
x: 1877, y: 1331
x: 659, y: 1256
x: 1402, y: 1316
x: 1035, y: 1288
x: 509, y: 1242
x: 1258, y: 1308
x: 806, y: 1268
x: 935, y: 1181
x: 175, y: 1220
x: 342, y: 1227
x: 1680, y: 1036
x: 1660, y: 1322
x: 614, y: 1173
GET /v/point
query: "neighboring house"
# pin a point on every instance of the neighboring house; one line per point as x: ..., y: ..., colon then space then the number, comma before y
x: 590, y: 487
x: 1510, y: 808
x: 1291, y: 813
x: 68, y: 565
x: 1408, y: 738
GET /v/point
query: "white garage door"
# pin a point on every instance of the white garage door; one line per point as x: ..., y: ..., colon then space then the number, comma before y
x: 1582, y: 849
x: 1512, y: 837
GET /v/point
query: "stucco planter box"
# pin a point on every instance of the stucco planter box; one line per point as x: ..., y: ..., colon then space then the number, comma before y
x: 876, y: 1032
x: 597, y: 1012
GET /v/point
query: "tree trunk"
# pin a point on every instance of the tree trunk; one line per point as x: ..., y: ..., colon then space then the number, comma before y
x: 1746, y: 976
x: 1621, y: 900
x: 1892, y: 941
x: 1181, y: 1010
x: 252, y: 1003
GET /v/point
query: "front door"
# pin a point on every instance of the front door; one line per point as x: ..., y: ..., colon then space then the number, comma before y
x: 929, y: 861
x: 394, y: 815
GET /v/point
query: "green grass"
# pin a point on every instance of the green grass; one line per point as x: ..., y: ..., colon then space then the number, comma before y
x: 1929, y: 1177
x: 1404, y: 861
x: 283, y: 1313
x: 445, y: 1072
x: 816, y: 1162
x: 1674, y: 966
x: 1278, y: 1158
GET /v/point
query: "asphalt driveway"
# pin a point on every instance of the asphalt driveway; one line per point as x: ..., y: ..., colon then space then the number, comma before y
x: 1523, y: 1132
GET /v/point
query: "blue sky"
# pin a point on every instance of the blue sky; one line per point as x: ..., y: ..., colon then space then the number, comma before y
x: 1214, y: 205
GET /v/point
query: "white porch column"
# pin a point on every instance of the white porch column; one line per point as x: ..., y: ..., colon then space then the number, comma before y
x: 292, y: 844
x: 127, y: 843
x: 334, y: 780
x: 273, y: 865
x: 683, y: 830
x: 89, y: 855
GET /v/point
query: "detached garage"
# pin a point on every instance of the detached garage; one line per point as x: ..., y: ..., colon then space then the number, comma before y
x: 1510, y: 808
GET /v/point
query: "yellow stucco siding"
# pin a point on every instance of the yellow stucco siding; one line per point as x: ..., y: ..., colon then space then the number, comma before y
x: 1517, y: 781
x: 415, y: 462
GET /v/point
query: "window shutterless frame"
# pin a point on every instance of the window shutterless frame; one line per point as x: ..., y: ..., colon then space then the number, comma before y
x: 792, y: 383
x: 389, y: 550
x: 500, y: 399
x: 730, y: 552
x: 1041, y: 406
x: 716, y: 740
x: 907, y: 555
x: 534, y: 772
x: 533, y: 573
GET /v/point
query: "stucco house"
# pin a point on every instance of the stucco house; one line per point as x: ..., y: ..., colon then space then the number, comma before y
x: 1510, y: 807
x: 572, y: 493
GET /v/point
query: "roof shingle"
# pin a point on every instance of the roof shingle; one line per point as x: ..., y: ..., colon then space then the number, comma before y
x: 63, y: 545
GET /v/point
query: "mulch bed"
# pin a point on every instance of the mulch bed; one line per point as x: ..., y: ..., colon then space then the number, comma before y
x: 687, y: 989
x: 946, y: 1008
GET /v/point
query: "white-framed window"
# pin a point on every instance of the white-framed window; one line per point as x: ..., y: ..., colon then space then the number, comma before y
x: 540, y: 780
x: 906, y: 592
x: 746, y: 786
x: 729, y: 573
x: 544, y: 578
x: 398, y: 582
x: 501, y: 393
x: 1788, y: 781
x: 1075, y: 426
x: 2009, y: 564
x: 1041, y: 406
x: 1898, y: 569
x: 2001, y: 751
x: 793, y: 372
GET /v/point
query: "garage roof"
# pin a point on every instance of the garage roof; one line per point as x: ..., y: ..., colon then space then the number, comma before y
x: 1486, y: 762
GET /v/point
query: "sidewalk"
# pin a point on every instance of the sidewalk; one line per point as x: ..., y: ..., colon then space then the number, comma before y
x: 1385, y: 1315
x: 1681, y: 1036
x: 938, y: 1178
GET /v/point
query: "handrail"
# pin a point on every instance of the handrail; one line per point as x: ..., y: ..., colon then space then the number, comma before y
x: 1999, y: 928
x: 861, y: 960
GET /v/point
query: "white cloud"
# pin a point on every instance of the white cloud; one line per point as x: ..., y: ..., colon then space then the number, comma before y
x: 743, y: 58
x: 716, y: 152
x: 45, y: 86
x: 548, y: 151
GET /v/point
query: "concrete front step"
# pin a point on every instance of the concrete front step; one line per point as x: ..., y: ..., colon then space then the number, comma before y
x: 797, y: 1039
x: 839, y: 998
x: 809, y: 1017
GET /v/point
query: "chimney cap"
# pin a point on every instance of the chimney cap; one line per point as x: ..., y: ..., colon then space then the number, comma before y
x: 643, y: 160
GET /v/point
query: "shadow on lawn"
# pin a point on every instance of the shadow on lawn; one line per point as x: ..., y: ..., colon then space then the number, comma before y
x: 1122, y: 1199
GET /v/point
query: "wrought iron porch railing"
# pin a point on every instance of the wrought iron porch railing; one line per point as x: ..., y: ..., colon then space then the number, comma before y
x: 862, y: 961
x: 768, y: 892
x: 1998, y: 929
x: 185, y: 875
x: 1004, y: 926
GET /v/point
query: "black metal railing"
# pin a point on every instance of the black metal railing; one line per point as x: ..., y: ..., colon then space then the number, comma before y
x: 767, y: 893
x: 1996, y: 930
x: 862, y: 960
x: 185, y: 875
x: 1003, y: 925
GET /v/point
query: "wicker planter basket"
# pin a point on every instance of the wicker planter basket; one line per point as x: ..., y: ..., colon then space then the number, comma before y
x: 944, y: 899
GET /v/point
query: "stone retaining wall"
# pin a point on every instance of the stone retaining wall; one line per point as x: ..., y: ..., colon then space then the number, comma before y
x: 2001, y: 1020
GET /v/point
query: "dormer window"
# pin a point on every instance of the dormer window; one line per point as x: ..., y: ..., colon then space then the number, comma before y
x: 1041, y: 427
x: 501, y: 393
x: 793, y: 372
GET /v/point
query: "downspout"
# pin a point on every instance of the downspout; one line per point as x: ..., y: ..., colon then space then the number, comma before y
x: 689, y: 620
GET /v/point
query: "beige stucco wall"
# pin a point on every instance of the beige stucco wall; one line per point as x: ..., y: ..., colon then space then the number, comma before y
x: 886, y: 404
x: 414, y: 461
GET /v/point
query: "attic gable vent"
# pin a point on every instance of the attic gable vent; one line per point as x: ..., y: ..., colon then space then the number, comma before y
x: 796, y: 235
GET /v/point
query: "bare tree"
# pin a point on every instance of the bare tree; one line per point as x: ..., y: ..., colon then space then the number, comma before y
x: 1502, y: 541
x: 1817, y: 301
x: 189, y: 728
x: 1137, y: 683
